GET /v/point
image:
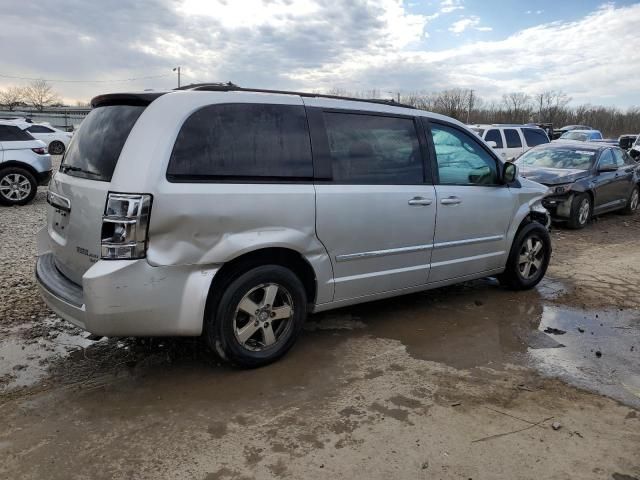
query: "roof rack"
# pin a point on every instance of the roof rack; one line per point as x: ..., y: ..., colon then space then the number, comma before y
x: 230, y: 87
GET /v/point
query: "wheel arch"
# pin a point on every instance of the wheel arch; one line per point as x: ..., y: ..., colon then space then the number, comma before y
x: 285, y: 257
x: 18, y: 164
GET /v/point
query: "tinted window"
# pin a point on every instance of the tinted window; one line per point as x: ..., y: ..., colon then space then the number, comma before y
x: 534, y: 136
x: 512, y: 138
x: 461, y: 159
x: 596, y: 136
x: 39, y: 129
x: 11, y: 133
x: 243, y: 140
x: 94, y: 150
x: 619, y: 157
x: 372, y: 149
x: 494, y: 136
x: 606, y: 158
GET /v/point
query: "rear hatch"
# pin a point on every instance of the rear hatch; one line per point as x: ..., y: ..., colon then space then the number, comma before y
x: 78, y: 191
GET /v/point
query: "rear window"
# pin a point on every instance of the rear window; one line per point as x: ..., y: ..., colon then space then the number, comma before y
x: 534, y: 136
x: 94, y: 150
x: 249, y: 141
x: 10, y: 133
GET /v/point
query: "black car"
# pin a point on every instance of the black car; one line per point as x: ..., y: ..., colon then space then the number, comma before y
x: 584, y: 179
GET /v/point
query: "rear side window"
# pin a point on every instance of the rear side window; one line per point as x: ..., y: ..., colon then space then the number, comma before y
x: 512, y: 138
x: 243, y: 141
x: 596, y: 136
x: 11, y: 133
x: 534, y: 137
x: 618, y: 155
x: 94, y: 150
x: 494, y: 136
x: 372, y: 149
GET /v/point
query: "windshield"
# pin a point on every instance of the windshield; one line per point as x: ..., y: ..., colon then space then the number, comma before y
x: 562, y: 158
x: 583, y: 137
x: 94, y: 150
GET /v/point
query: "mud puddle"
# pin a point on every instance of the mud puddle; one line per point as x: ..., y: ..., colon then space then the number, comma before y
x: 471, y: 326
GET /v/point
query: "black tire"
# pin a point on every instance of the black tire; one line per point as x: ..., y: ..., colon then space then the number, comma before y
x: 220, y: 327
x: 577, y: 220
x: 514, y: 276
x: 8, y: 196
x: 56, y: 148
x: 632, y: 203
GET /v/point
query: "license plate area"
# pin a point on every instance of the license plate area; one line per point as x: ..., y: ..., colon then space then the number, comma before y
x: 60, y: 222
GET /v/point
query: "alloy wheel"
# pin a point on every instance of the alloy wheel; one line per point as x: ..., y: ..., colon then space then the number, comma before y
x: 15, y: 187
x: 531, y: 257
x: 583, y: 211
x: 263, y: 317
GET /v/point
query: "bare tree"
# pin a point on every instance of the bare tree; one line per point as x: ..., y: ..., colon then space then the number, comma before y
x: 40, y: 94
x: 12, y: 97
x: 518, y: 105
x: 549, y: 104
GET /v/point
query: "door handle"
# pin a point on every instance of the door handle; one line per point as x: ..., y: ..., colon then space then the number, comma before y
x: 451, y: 201
x: 420, y: 201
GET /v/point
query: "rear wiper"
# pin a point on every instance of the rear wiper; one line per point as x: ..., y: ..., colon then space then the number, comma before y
x: 71, y: 168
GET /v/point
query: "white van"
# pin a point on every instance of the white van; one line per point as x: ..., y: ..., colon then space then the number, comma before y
x: 510, y: 141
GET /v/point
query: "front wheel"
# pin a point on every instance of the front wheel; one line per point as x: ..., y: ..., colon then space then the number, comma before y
x: 632, y: 203
x: 258, y: 317
x: 580, y: 211
x: 528, y: 259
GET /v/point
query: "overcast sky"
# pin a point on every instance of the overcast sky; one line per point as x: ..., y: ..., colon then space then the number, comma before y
x: 588, y: 49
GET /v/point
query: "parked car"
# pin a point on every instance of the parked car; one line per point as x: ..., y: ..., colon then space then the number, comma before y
x: 24, y: 163
x: 581, y: 135
x: 626, y: 141
x: 207, y: 211
x: 634, y: 152
x: 584, y: 180
x: 510, y: 141
x: 559, y: 132
x: 56, y: 140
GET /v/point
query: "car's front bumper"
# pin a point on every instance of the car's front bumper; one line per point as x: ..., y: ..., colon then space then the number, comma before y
x: 559, y: 206
x: 128, y: 297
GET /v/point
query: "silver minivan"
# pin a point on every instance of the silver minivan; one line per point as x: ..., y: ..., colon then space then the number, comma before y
x: 233, y: 213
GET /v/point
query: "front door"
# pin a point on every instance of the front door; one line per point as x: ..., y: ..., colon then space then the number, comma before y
x: 474, y: 209
x: 376, y: 213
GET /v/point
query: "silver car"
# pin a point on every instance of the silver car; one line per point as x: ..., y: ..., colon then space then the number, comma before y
x: 233, y: 213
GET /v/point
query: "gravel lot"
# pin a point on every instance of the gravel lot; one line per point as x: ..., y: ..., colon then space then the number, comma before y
x: 462, y: 382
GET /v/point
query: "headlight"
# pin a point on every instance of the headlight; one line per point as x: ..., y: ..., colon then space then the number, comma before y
x: 561, y: 189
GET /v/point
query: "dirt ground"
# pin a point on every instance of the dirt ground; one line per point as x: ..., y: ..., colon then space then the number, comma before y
x: 457, y: 383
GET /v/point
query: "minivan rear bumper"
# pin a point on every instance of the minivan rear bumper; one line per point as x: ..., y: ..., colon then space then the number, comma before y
x: 128, y: 297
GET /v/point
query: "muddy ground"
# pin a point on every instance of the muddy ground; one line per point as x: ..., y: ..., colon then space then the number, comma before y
x: 457, y: 383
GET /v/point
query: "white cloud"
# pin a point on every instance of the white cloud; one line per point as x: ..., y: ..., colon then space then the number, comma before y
x: 463, y: 24
x: 316, y: 44
x: 448, y: 6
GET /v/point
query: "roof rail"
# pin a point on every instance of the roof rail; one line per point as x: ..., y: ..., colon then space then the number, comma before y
x: 230, y: 87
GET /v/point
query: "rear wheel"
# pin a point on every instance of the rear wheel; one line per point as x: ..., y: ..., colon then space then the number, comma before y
x: 258, y: 317
x: 17, y: 186
x: 580, y: 211
x: 528, y: 259
x: 632, y: 203
x: 56, y: 147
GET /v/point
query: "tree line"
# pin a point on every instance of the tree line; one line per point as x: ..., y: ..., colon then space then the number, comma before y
x: 515, y: 107
x: 39, y: 94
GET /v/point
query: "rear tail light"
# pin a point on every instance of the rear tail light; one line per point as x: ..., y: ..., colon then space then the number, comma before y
x: 125, y: 226
x: 39, y: 150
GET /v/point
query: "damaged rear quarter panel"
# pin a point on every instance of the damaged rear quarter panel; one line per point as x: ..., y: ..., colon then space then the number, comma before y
x: 213, y: 223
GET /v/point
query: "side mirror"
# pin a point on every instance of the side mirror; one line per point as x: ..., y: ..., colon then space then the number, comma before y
x: 509, y: 172
x: 609, y: 167
x: 492, y: 144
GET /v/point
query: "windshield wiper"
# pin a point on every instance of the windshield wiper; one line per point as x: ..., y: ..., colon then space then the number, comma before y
x: 71, y: 168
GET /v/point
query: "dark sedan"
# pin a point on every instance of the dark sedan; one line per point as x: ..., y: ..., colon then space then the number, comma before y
x: 584, y: 180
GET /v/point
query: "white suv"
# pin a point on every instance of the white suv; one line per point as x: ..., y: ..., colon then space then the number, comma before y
x: 510, y: 141
x: 56, y: 140
x: 231, y: 213
x: 24, y: 163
